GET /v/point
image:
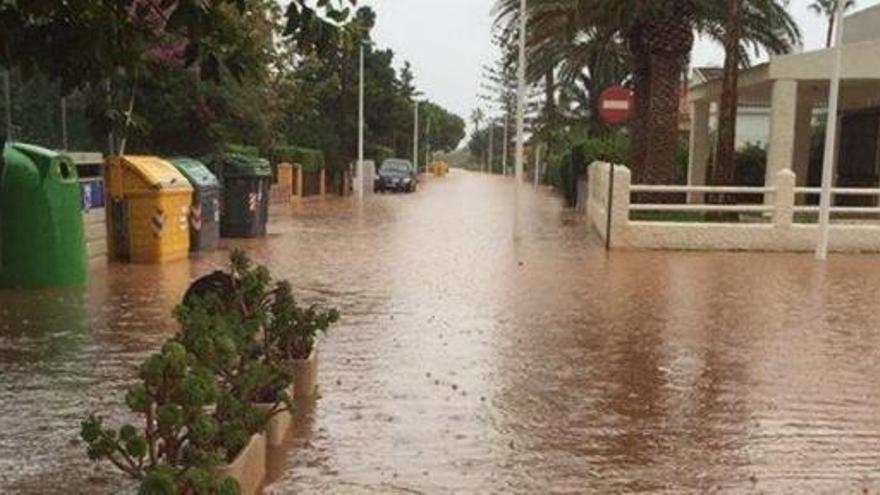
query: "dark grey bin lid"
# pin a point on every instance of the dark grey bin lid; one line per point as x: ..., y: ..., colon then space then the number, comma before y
x: 195, y: 172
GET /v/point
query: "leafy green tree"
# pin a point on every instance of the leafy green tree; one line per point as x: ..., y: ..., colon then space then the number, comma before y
x: 445, y: 130
x: 407, y: 81
x: 116, y: 45
x: 319, y: 97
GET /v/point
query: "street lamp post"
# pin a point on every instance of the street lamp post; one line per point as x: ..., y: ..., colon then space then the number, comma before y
x: 416, y: 138
x: 520, y: 120
x: 504, y: 146
x: 830, y: 137
x: 427, y: 144
x: 360, y: 163
x: 491, y: 166
x: 537, y: 165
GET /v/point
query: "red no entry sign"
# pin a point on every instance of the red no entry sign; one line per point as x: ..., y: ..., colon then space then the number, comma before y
x: 616, y: 105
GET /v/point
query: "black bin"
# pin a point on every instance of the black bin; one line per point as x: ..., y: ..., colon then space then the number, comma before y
x: 245, y: 193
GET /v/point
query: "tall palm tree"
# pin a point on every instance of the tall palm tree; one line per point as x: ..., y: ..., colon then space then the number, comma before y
x: 764, y: 25
x: 658, y: 36
x: 667, y: 34
x: 828, y: 8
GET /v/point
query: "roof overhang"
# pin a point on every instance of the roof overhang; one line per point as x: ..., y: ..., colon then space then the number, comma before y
x: 860, y: 63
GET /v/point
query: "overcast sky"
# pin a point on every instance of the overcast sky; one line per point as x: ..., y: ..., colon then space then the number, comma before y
x: 448, y: 41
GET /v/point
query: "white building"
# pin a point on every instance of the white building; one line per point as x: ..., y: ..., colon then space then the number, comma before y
x: 753, y: 118
x: 790, y: 88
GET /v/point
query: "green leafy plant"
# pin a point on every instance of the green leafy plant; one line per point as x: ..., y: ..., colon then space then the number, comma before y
x: 293, y: 330
x: 199, y: 396
x: 177, y: 449
x: 574, y: 162
x: 223, y: 324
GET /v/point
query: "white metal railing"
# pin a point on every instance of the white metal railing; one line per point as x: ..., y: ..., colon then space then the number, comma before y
x: 839, y: 191
x: 611, y: 212
x: 701, y: 207
x: 644, y: 188
x: 836, y: 192
x: 738, y: 208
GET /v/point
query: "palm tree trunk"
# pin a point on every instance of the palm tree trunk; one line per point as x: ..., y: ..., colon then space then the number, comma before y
x: 661, y: 134
x: 724, y: 171
x: 668, y: 39
x: 642, y: 93
x: 830, y: 36
x: 550, y: 95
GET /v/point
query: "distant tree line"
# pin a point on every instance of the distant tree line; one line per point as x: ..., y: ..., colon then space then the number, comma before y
x: 194, y: 76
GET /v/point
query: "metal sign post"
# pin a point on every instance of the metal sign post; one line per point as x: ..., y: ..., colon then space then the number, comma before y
x: 610, y: 206
x: 520, y: 122
x: 616, y: 106
x: 360, y: 163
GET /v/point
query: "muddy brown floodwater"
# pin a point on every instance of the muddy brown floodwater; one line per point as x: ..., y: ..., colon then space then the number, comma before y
x: 466, y: 363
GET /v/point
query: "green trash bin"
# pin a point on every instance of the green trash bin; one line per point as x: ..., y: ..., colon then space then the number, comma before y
x: 204, y: 215
x: 42, y: 239
x: 245, y: 205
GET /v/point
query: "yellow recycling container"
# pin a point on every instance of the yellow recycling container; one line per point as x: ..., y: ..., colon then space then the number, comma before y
x: 440, y: 169
x: 148, y: 203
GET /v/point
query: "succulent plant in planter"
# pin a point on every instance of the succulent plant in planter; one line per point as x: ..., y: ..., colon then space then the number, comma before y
x: 293, y: 331
x: 199, y: 396
x: 206, y: 398
x: 291, y: 338
x: 223, y: 320
x: 176, y: 451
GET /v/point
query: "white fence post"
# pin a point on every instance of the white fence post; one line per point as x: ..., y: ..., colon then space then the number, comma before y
x: 594, y: 196
x: 783, y: 199
x: 620, y: 206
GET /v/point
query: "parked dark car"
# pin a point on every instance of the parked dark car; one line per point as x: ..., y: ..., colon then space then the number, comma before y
x: 396, y: 175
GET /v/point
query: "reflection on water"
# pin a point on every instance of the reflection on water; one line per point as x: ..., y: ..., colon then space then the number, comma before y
x: 467, y: 363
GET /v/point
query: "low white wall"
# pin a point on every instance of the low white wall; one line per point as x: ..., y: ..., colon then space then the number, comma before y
x: 780, y: 234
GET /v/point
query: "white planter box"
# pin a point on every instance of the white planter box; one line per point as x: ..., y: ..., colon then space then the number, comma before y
x: 279, y: 424
x: 305, y: 376
x: 249, y: 468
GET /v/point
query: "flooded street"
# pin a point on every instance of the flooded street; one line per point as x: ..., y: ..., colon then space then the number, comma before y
x: 466, y: 363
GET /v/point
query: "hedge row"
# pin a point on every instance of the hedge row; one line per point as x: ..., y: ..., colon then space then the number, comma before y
x: 563, y: 173
x: 383, y: 153
x: 241, y: 149
x: 312, y: 160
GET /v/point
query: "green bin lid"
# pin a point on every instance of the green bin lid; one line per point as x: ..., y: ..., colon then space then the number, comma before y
x: 46, y: 161
x: 238, y: 165
x: 195, y: 172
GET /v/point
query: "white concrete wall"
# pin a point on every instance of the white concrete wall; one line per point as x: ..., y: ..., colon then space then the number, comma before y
x: 862, y: 26
x: 780, y: 234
